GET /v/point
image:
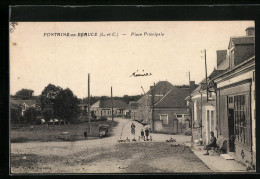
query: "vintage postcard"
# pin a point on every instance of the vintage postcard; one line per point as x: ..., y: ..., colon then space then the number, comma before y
x: 132, y: 97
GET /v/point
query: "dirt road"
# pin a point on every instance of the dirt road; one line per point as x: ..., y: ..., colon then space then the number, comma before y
x: 106, y: 155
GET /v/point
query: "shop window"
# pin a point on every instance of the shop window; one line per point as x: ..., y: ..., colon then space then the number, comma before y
x: 164, y: 118
x: 242, y: 119
x: 230, y: 99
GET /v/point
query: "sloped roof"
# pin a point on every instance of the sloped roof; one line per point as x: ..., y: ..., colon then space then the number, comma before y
x: 116, y: 103
x: 216, y: 73
x: 21, y: 102
x: 221, y: 56
x: 241, y: 40
x: 174, y: 99
x: 84, y: 104
x: 161, y: 88
x: 149, y: 100
x: 132, y: 105
x: 212, y: 75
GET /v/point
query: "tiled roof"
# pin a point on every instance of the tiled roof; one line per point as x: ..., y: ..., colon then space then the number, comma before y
x: 150, y: 100
x: 212, y: 75
x: 174, y: 99
x: 132, y: 105
x: 116, y: 103
x: 20, y: 102
x: 216, y: 73
x: 221, y: 56
x: 242, y: 40
x: 161, y: 88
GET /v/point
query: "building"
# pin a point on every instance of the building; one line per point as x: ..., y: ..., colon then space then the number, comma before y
x: 167, y: 102
x: 83, y: 107
x: 25, y: 104
x: 143, y: 113
x: 231, y: 112
x: 172, y: 107
x: 130, y: 110
x: 204, y: 109
x: 104, y: 107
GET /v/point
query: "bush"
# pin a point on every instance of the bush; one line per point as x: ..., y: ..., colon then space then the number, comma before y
x: 15, y: 113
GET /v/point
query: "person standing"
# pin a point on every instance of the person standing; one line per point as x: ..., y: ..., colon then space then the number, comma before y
x: 142, y: 134
x: 133, y: 129
x: 147, y: 133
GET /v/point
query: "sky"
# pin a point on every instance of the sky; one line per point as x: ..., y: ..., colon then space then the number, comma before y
x: 37, y: 60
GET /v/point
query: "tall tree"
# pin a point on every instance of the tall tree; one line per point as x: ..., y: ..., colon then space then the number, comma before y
x: 47, y: 99
x: 66, y: 105
x: 24, y: 94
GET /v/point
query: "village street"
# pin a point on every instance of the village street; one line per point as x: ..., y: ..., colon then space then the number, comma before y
x: 106, y: 155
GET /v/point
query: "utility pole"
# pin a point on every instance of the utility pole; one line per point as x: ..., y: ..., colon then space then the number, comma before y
x: 153, y: 107
x: 112, y: 104
x: 30, y: 111
x: 190, y: 111
x: 89, y: 103
x: 206, y: 74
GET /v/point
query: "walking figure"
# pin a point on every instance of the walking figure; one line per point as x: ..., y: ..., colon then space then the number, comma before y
x: 133, y: 129
x: 147, y: 133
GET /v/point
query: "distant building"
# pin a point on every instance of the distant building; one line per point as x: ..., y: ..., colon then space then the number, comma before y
x: 25, y: 104
x: 169, y: 103
x: 130, y: 110
x: 144, y: 111
x: 104, y: 107
x: 169, y: 108
x: 83, y: 107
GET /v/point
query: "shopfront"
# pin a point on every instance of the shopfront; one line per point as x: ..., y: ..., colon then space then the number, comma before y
x: 235, y: 124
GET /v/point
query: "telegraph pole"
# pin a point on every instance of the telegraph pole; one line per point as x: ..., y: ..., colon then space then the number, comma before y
x: 112, y: 104
x: 206, y: 74
x: 153, y: 107
x: 89, y: 103
x: 190, y: 111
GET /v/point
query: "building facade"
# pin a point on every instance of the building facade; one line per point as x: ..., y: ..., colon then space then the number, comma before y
x: 171, y: 111
x: 104, y: 108
x: 230, y: 111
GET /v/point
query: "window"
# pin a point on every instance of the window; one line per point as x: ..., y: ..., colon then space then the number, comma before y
x: 242, y: 119
x: 164, y: 118
x: 179, y: 116
x: 230, y: 100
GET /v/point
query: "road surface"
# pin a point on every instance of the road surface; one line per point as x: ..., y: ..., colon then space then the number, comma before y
x: 106, y: 155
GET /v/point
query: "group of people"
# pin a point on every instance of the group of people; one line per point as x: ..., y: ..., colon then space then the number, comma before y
x: 144, y: 133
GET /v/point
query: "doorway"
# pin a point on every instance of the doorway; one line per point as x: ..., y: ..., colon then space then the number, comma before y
x: 231, y: 129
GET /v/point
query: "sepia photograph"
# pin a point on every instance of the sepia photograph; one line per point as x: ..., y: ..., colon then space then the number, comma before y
x: 132, y: 97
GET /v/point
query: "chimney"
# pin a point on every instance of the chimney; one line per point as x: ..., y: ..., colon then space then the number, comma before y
x: 221, y: 56
x: 250, y: 31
